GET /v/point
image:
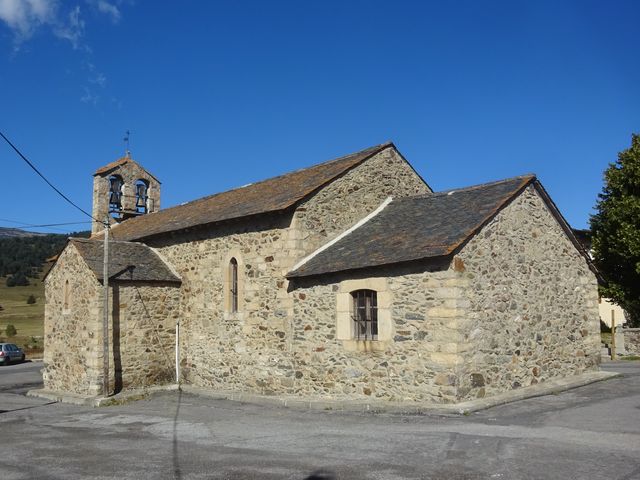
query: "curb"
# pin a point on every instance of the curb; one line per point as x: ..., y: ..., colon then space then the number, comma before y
x: 463, y: 408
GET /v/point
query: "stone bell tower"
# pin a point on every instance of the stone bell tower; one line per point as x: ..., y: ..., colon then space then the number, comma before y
x: 122, y: 190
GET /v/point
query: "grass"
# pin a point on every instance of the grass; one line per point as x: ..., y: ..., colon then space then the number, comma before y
x: 28, y: 319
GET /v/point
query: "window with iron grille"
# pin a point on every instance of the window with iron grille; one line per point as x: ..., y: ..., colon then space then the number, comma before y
x: 365, y: 314
x: 233, y: 285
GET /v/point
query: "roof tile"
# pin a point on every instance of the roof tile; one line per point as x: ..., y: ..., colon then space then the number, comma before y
x: 272, y: 195
x: 415, y: 228
x: 128, y: 261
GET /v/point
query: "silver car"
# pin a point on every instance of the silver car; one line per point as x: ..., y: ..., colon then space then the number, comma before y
x: 10, y: 352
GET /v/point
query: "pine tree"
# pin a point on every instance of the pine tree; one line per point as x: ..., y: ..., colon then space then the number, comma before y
x: 616, y: 231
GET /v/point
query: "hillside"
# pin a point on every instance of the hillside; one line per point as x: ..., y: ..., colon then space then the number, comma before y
x: 22, y: 255
x: 28, y: 319
x: 16, y: 232
x: 22, y: 259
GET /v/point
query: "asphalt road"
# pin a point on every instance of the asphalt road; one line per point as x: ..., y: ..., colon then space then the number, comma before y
x: 592, y: 432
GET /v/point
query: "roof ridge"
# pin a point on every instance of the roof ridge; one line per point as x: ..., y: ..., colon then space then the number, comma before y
x: 366, y: 153
x: 373, y: 150
x: 119, y: 162
x: 529, y: 176
x: 111, y: 240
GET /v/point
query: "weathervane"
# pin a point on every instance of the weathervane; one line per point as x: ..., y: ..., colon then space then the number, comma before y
x: 127, y: 152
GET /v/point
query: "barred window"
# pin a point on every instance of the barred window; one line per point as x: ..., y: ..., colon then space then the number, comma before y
x: 233, y: 285
x: 365, y: 314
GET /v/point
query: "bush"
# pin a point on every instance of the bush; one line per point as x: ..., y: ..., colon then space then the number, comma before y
x: 11, y: 331
x: 31, y: 300
x: 17, y: 280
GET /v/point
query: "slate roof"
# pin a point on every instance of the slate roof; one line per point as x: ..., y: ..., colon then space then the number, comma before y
x: 272, y: 195
x: 128, y: 261
x: 121, y: 161
x: 416, y: 228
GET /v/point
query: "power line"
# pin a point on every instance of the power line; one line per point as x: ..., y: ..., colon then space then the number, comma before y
x: 32, y: 225
x: 48, y: 226
x: 45, y: 178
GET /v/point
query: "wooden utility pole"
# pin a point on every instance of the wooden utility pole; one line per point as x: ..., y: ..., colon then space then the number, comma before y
x: 105, y: 318
x: 613, y: 334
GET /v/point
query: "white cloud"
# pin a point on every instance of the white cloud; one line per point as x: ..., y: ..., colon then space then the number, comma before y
x: 96, y: 77
x: 107, y: 8
x: 89, y: 97
x: 72, y: 29
x: 24, y: 17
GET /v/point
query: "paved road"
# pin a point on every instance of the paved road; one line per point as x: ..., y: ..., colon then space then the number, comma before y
x: 588, y: 433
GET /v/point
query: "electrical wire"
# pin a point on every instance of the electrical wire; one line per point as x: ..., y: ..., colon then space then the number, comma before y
x: 45, y: 178
x: 48, y: 226
x: 31, y: 225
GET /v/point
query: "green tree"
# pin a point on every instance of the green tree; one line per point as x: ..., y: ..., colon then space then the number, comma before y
x: 616, y: 231
x: 11, y: 331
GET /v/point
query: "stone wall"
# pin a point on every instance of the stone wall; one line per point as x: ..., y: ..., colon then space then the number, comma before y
x: 360, y: 191
x: 245, y: 350
x: 631, y: 340
x: 143, y: 317
x: 532, y: 308
x: 414, y: 365
x: 222, y: 349
x: 72, y: 335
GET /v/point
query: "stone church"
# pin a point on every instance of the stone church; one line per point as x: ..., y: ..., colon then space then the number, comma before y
x: 347, y: 280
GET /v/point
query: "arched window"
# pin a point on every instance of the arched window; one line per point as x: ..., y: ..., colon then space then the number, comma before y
x: 115, y: 194
x: 66, y: 294
x: 142, y: 196
x: 365, y: 314
x: 233, y: 285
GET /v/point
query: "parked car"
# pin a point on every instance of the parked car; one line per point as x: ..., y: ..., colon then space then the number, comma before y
x: 10, y: 353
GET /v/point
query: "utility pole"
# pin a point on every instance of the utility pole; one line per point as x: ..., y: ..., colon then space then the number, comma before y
x: 105, y: 319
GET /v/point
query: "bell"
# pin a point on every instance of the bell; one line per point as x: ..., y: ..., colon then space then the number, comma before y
x: 141, y: 196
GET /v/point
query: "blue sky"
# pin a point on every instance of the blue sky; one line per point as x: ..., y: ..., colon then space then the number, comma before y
x: 218, y: 94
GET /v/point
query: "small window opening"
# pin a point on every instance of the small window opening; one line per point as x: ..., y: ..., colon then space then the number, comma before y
x: 115, y: 194
x: 66, y: 296
x: 233, y: 285
x: 365, y: 314
x: 142, y: 196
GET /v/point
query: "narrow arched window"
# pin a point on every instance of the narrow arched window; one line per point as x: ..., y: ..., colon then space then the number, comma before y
x: 115, y: 194
x: 66, y: 294
x: 142, y: 196
x: 365, y: 314
x: 233, y: 285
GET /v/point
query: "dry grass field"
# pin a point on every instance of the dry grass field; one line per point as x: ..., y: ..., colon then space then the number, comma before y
x: 27, y: 319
